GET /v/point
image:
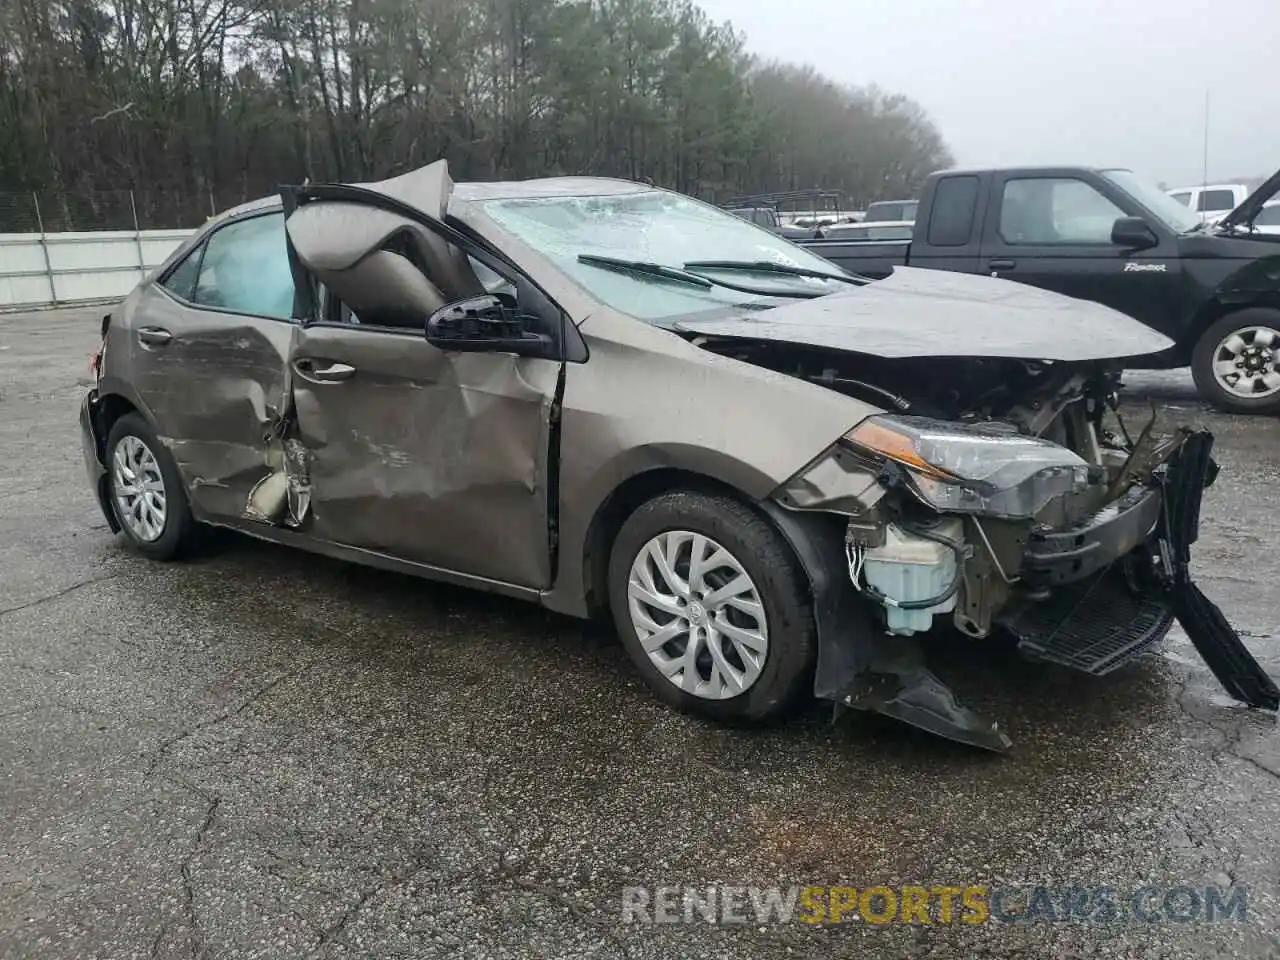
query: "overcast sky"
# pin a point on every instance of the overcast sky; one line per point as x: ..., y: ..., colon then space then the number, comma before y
x: 1106, y: 82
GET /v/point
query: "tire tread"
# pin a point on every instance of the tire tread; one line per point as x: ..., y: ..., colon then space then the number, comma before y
x: 771, y: 563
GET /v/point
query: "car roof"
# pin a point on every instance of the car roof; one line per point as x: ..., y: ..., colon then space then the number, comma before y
x: 487, y: 190
x: 1032, y: 170
x: 253, y: 206
x: 547, y: 187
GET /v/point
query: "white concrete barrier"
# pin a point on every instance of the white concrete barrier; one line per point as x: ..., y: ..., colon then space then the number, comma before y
x: 58, y: 269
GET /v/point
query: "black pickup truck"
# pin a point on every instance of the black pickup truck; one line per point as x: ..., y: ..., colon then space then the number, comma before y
x: 1106, y: 235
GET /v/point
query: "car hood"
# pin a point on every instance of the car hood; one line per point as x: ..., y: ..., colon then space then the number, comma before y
x: 931, y: 313
x: 1252, y: 204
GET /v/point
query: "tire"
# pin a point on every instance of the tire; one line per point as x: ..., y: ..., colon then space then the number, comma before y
x: 770, y: 684
x: 168, y: 539
x: 1213, y: 340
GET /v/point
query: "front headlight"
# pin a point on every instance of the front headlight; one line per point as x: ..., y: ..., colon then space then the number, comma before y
x: 973, y: 468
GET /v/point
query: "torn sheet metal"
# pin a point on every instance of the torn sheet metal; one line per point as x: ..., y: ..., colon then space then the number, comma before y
x: 284, y: 494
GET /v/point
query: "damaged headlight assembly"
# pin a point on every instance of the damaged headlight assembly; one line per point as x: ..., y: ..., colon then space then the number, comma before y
x: 987, y: 469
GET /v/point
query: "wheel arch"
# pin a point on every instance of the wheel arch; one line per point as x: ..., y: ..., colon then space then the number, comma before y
x: 111, y: 408
x: 1251, y: 287
x: 116, y: 397
x: 626, y: 498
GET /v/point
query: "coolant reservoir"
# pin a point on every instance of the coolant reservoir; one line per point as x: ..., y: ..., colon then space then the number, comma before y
x: 909, y: 568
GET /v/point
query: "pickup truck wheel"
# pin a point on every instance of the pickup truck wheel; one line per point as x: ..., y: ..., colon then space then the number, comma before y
x: 712, y: 607
x: 1236, y: 362
x: 146, y: 490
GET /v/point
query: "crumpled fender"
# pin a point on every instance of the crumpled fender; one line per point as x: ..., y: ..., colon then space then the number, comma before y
x: 859, y: 665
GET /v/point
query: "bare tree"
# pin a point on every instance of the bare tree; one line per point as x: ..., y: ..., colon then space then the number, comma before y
x: 198, y: 104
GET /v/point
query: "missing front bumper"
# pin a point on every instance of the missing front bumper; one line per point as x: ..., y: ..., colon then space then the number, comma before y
x: 1119, y: 612
x: 859, y: 666
x: 1113, y: 612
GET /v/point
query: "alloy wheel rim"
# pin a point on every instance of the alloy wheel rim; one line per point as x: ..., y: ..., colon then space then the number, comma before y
x: 1246, y: 362
x: 698, y: 615
x: 138, y: 487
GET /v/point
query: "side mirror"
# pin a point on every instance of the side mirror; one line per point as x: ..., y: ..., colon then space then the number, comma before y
x: 1133, y: 233
x: 486, y: 324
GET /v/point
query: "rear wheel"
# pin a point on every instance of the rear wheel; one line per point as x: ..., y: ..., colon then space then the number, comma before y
x: 146, y: 490
x: 1236, y: 363
x: 712, y: 607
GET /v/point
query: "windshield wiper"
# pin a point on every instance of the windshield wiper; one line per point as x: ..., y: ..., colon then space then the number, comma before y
x: 661, y: 271
x: 657, y: 270
x: 768, y: 266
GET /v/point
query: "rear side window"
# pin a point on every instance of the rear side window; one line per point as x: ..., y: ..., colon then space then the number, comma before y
x: 246, y: 269
x: 1183, y: 197
x: 888, y: 210
x: 1217, y: 200
x: 954, y: 202
x: 181, y: 281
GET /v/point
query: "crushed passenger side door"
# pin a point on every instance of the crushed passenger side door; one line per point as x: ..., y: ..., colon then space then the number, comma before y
x: 434, y: 457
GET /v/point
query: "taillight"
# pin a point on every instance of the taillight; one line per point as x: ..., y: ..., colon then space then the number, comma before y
x: 95, y: 359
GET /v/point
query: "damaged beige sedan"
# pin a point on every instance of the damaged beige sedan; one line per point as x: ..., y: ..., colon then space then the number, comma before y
x: 612, y: 399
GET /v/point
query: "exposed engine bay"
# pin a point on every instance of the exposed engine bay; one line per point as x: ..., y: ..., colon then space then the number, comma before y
x: 918, y: 563
x: 1003, y: 495
x: 962, y: 388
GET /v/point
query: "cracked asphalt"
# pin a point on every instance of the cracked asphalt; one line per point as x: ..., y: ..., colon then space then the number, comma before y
x: 261, y: 753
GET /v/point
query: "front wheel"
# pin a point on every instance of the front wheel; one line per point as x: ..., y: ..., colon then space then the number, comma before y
x: 712, y: 607
x: 146, y: 490
x: 1236, y: 362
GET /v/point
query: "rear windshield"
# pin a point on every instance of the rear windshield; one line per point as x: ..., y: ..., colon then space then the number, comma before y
x: 1217, y: 200
x: 892, y: 210
x: 954, y: 202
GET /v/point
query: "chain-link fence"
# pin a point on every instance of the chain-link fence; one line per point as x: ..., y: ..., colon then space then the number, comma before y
x: 59, y: 248
x: 86, y: 211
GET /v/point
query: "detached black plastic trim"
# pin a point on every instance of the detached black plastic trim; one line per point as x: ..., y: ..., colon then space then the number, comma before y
x: 1190, y: 471
x: 93, y: 447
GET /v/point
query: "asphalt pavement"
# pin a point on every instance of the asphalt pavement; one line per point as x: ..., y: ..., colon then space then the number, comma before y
x: 261, y: 753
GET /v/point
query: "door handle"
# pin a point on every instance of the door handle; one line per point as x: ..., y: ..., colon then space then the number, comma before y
x: 321, y: 371
x: 154, y: 336
x: 1003, y: 264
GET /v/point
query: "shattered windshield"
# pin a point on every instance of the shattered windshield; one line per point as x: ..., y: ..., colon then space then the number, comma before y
x: 655, y: 226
